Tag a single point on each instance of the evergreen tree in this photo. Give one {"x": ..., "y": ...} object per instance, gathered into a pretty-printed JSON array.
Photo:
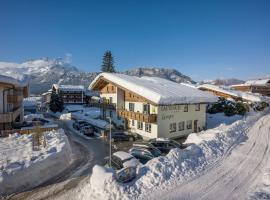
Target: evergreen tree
[
  {"x": 107, "y": 63},
  {"x": 56, "y": 103}
]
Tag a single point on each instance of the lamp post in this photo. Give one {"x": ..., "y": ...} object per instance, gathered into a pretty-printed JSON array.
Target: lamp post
[{"x": 110, "y": 152}]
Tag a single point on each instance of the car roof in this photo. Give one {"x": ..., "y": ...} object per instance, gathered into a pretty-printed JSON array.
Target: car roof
[{"x": 122, "y": 155}]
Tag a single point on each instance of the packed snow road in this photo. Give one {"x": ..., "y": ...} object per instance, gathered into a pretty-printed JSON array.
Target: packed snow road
[
  {"x": 235, "y": 176},
  {"x": 87, "y": 154}
]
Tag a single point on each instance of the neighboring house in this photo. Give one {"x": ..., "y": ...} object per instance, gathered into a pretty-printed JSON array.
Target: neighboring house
[
  {"x": 152, "y": 107},
  {"x": 12, "y": 92},
  {"x": 70, "y": 93},
  {"x": 32, "y": 104},
  {"x": 227, "y": 93},
  {"x": 261, "y": 86}
]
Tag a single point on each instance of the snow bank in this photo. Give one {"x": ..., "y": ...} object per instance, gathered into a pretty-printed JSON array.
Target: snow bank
[
  {"x": 174, "y": 168},
  {"x": 22, "y": 168},
  {"x": 214, "y": 120}
]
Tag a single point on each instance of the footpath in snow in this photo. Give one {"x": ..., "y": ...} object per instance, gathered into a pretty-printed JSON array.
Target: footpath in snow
[
  {"x": 167, "y": 174},
  {"x": 23, "y": 168}
]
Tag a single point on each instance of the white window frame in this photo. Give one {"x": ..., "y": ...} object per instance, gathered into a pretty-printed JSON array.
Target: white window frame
[
  {"x": 181, "y": 126},
  {"x": 189, "y": 124},
  {"x": 172, "y": 127},
  {"x": 148, "y": 127},
  {"x": 197, "y": 107},
  {"x": 139, "y": 125},
  {"x": 186, "y": 108}
]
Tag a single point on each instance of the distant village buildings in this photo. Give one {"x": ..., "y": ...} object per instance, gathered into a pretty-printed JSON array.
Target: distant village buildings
[
  {"x": 152, "y": 107},
  {"x": 261, "y": 86}
]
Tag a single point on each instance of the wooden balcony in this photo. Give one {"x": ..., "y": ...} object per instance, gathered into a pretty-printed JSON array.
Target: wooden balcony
[
  {"x": 10, "y": 116},
  {"x": 14, "y": 98},
  {"x": 148, "y": 118},
  {"x": 111, "y": 106}
]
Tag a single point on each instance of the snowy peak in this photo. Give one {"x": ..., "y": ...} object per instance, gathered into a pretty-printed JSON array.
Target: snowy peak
[
  {"x": 166, "y": 73},
  {"x": 226, "y": 82}
]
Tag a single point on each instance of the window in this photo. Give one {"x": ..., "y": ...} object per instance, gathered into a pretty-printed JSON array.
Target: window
[
  {"x": 181, "y": 126},
  {"x": 146, "y": 108},
  {"x": 9, "y": 107},
  {"x": 131, "y": 107},
  {"x": 172, "y": 127},
  {"x": 148, "y": 127},
  {"x": 111, "y": 114},
  {"x": 133, "y": 122},
  {"x": 186, "y": 108},
  {"x": 140, "y": 125},
  {"x": 111, "y": 99},
  {"x": 197, "y": 107},
  {"x": 189, "y": 124}
]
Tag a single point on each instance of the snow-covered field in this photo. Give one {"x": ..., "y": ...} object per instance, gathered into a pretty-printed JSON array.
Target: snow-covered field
[
  {"x": 23, "y": 168},
  {"x": 169, "y": 177}
]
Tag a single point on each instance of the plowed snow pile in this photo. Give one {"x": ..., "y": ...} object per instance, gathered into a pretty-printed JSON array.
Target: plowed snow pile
[
  {"x": 22, "y": 167},
  {"x": 177, "y": 167}
]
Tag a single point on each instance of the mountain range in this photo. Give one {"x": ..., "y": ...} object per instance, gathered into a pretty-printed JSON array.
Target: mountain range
[{"x": 46, "y": 71}]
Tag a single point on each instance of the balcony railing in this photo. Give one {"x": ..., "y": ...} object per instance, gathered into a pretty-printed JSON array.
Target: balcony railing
[
  {"x": 148, "y": 118},
  {"x": 14, "y": 98},
  {"x": 111, "y": 106},
  {"x": 10, "y": 116}
]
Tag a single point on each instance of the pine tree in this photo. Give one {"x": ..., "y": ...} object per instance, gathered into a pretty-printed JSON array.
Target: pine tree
[
  {"x": 56, "y": 103},
  {"x": 107, "y": 63}
]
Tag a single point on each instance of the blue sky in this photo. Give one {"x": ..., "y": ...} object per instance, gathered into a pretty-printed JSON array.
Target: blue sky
[{"x": 203, "y": 39}]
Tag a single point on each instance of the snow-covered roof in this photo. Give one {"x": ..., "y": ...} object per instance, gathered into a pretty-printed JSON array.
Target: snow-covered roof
[
  {"x": 258, "y": 82},
  {"x": 238, "y": 94},
  {"x": 18, "y": 80},
  {"x": 31, "y": 101},
  {"x": 218, "y": 89},
  {"x": 122, "y": 155},
  {"x": 69, "y": 87},
  {"x": 157, "y": 90}
]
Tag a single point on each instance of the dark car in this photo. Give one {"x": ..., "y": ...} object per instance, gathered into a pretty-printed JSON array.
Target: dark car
[
  {"x": 87, "y": 130},
  {"x": 144, "y": 154},
  {"x": 120, "y": 136},
  {"x": 164, "y": 144},
  {"x": 79, "y": 124},
  {"x": 121, "y": 159}
]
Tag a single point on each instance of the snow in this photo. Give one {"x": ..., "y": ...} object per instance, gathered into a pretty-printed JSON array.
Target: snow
[
  {"x": 179, "y": 166},
  {"x": 123, "y": 155},
  {"x": 259, "y": 82},
  {"x": 157, "y": 90},
  {"x": 22, "y": 167},
  {"x": 72, "y": 108},
  {"x": 247, "y": 96},
  {"x": 214, "y": 120},
  {"x": 17, "y": 80},
  {"x": 31, "y": 101},
  {"x": 95, "y": 122}
]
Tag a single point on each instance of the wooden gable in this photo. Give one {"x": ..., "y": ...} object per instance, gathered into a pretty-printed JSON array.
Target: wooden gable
[{"x": 108, "y": 88}]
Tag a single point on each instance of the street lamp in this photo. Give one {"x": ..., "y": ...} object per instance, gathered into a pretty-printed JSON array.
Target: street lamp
[{"x": 110, "y": 140}]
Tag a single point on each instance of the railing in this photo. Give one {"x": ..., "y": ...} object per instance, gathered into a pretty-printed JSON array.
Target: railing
[
  {"x": 14, "y": 98},
  {"x": 111, "y": 106},
  {"x": 148, "y": 118},
  {"x": 10, "y": 116}
]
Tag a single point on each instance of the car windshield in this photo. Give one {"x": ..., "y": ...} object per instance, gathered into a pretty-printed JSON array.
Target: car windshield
[
  {"x": 130, "y": 158},
  {"x": 154, "y": 151}
]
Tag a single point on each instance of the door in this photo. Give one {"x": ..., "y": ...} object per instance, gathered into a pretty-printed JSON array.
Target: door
[{"x": 195, "y": 126}]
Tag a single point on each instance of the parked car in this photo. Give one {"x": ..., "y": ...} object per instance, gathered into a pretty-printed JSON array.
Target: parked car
[
  {"x": 87, "y": 130},
  {"x": 164, "y": 144},
  {"x": 121, "y": 159},
  {"x": 144, "y": 154},
  {"x": 79, "y": 124},
  {"x": 120, "y": 136}
]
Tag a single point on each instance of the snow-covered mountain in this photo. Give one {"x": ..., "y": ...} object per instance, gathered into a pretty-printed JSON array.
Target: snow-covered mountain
[
  {"x": 45, "y": 72},
  {"x": 227, "y": 82},
  {"x": 170, "y": 74}
]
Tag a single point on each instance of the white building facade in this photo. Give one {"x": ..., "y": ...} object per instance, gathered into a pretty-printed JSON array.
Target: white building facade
[{"x": 153, "y": 107}]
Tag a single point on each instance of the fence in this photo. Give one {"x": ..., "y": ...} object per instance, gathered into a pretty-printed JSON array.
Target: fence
[{"x": 30, "y": 130}]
